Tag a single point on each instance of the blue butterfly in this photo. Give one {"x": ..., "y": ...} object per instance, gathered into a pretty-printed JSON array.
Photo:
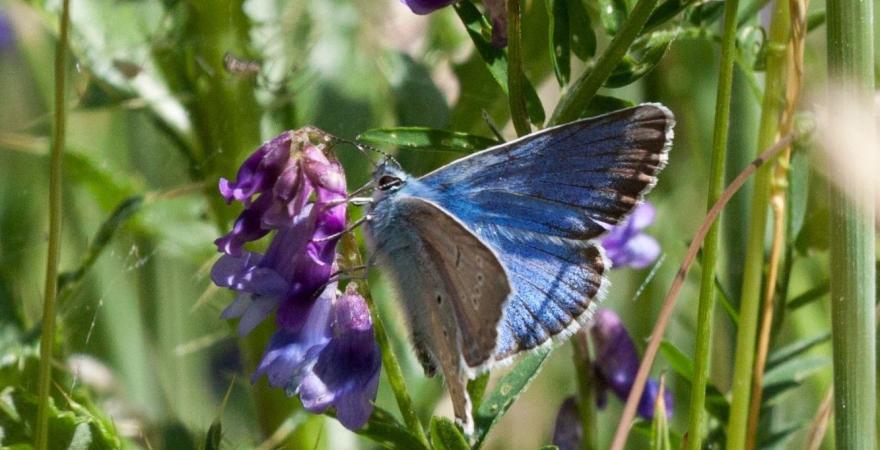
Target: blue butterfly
[{"x": 497, "y": 253}]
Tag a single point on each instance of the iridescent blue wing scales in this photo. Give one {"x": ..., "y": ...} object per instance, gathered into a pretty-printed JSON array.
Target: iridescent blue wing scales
[{"x": 541, "y": 201}]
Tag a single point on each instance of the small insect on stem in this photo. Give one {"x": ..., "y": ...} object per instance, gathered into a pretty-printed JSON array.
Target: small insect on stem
[{"x": 244, "y": 68}]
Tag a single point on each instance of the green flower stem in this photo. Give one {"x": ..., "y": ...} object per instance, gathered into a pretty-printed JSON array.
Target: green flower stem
[
  {"x": 578, "y": 96},
  {"x": 702, "y": 353},
  {"x": 586, "y": 399},
  {"x": 515, "y": 69},
  {"x": 851, "y": 68},
  {"x": 392, "y": 367},
  {"x": 771, "y": 110},
  {"x": 47, "y": 337}
]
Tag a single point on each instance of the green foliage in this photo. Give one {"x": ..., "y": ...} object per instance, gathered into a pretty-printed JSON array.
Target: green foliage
[{"x": 158, "y": 113}]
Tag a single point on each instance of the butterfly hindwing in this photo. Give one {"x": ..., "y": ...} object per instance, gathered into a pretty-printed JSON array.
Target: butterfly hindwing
[
  {"x": 454, "y": 287},
  {"x": 540, "y": 200}
]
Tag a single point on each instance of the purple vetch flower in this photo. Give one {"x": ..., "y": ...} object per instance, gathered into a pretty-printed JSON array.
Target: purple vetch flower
[
  {"x": 568, "y": 432},
  {"x": 324, "y": 349},
  {"x": 426, "y": 6},
  {"x": 346, "y": 374},
  {"x": 617, "y": 362},
  {"x": 275, "y": 184},
  {"x": 333, "y": 360},
  {"x": 626, "y": 245},
  {"x": 7, "y": 34}
]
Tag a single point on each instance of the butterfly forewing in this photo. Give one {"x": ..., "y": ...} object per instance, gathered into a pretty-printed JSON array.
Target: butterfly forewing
[{"x": 540, "y": 200}]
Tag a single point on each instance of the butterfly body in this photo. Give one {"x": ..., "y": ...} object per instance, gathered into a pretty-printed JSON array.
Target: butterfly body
[{"x": 506, "y": 238}]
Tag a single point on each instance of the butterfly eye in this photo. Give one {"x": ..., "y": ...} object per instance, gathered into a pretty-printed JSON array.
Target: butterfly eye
[{"x": 388, "y": 182}]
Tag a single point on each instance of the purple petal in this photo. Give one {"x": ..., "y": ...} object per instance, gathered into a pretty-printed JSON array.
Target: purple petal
[
  {"x": 7, "y": 34},
  {"x": 649, "y": 399},
  {"x": 426, "y": 6},
  {"x": 617, "y": 362},
  {"x": 641, "y": 251},
  {"x": 257, "y": 311},
  {"x": 290, "y": 355},
  {"x": 568, "y": 432},
  {"x": 643, "y": 216},
  {"x": 245, "y": 275}
]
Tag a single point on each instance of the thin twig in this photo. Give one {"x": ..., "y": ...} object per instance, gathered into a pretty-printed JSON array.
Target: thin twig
[
  {"x": 56, "y": 157},
  {"x": 638, "y": 388}
]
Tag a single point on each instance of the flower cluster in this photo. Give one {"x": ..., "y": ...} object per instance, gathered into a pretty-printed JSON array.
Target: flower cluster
[
  {"x": 617, "y": 362},
  {"x": 614, "y": 368},
  {"x": 324, "y": 349},
  {"x": 627, "y": 245},
  {"x": 7, "y": 34}
]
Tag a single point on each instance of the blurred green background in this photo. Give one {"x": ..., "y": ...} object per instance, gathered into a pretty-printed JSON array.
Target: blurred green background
[{"x": 155, "y": 118}]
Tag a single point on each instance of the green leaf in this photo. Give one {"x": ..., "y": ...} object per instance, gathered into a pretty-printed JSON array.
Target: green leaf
[
  {"x": 560, "y": 40},
  {"x": 549, "y": 447},
  {"x": 682, "y": 364},
  {"x": 496, "y": 59},
  {"x": 477, "y": 388},
  {"x": 664, "y": 13},
  {"x": 809, "y": 296},
  {"x": 795, "y": 349},
  {"x": 815, "y": 20},
  {"x": 583, "y": 38},
  {"x": 76, "y": 428},
  {"x": 798, "y": 192},
  {"x": 644, "y": 55},
  {"x": 446, "y": 436},
  {"x": 418, "y": 138},
  {"x": 788, "y": 375},
  {"x": 117, "y": 219},
  {"x": 385, "y": 430},
  {"x": 214, "y": 436},
  {"x": 508, "y": 389},
  {"x": 601, "y": 104},
  {"x": 417, "y": 100},
  {"x": 777, "y": 437},
  {"x": 705, "y": 14},
  {"x": 612, "y": 13}
]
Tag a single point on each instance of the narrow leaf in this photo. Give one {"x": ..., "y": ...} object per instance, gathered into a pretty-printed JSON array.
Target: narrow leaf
[
  {"x": 560, "y": 39},
  {"x": 418, "y": 138},
  {"x": 583, "y": 38},
  {"x": 385, "y": 430},
  {"x": 496, "y": 59},
  {"x": 645, "y": 54},
  {"x": 665, "y": 12},
  {"x": 508, "y": 389},
  {"x": 682, "y": 364},
  {"x": 706, "y": 13},
  {"x": 612, "y": 13},
  {"x": 601, "y": 104},
  {"x": 795, "y": 349},
  {"x": 446, "y": 436},
  {"x": 809, "y": 296}
]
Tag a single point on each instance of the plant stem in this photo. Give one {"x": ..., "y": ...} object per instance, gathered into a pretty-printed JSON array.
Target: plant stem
[
  {"x": 779, "y": 188},
  {"x": 851, "y": 67},
  {"x": 389, "y": 360},
  {"x": 702, "y": 354},
  {"x": 771, "y": 109},
  {"x": 515, "y": 69},
  {"x": 53, "y": 255},
  {"x": 578, "y": 96},
  {"x": 586, "y": 399},
  {"x": 632, "y": 400}
]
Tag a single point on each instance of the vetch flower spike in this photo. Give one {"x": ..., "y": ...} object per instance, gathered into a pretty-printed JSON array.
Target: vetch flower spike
[
  {"x": 627, "y": 245},
  {"x": 617, "y": 363},
  {"x": 324, "y": 349}
]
